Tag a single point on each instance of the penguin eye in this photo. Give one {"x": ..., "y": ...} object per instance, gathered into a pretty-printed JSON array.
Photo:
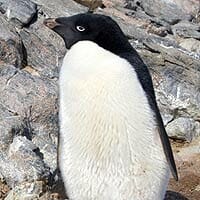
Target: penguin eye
[{"x": 80, "y": 28}]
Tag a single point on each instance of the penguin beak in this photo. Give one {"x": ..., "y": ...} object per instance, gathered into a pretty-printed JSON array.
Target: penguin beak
[{"x": 51, "y": 23}]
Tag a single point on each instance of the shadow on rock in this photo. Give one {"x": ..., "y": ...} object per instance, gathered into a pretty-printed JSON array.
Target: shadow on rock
[{"x": 171, "y": 195}]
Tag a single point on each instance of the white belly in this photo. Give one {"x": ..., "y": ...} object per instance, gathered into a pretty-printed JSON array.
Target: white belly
[{"x": 109, "y": 145}]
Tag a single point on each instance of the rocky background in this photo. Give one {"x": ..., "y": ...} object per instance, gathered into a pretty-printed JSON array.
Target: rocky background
[{"x": 166, "y": 33}]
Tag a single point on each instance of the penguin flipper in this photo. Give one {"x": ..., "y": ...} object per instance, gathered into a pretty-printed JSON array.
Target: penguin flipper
[{"x": 166, "y": 145}]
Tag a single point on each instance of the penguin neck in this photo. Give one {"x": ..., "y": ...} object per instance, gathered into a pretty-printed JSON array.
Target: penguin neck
[{"x": 115, "y": 43}]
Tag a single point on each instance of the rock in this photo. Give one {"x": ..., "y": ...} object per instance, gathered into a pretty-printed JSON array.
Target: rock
[
  {"x": 16, "y": 88},
  {"x": 170, "y": 195},
  {"x": 191, "y": 45},
  {"x": 176, "y": 87},
  {"x": 38, "y": 56},
  {"x": 3, "y": 6},
  {"x": 48, "y": 8},
  {"x": 4, "y": 189},
  {"x": 11, "y": 46},
  {"x": 47, "y": 147},
  {"x": 7, "y": 31},
  {"x": 165, "y": 10},
  {"x": 18, "y": 120},
  {"x": 183, "y": 128},
  {"x": 26, "y": 191},
  {"x": 8, "y": 118},
  {"x": 161, "y": 31},
  {"x": 186, "y": 30},
  {"x": 19, "y": 143},
  {"x": 91, "y": 4},
  {"x": 188, "y": 6},
  {"x": 21, "y": 10},
  {"x": 23, "y": 163}
]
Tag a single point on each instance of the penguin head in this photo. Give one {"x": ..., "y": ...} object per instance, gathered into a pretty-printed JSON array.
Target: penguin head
[{"x": 100, "y": 29}]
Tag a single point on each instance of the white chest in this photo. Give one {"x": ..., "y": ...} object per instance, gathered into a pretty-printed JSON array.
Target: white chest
[{"x": 109, "y": 147}]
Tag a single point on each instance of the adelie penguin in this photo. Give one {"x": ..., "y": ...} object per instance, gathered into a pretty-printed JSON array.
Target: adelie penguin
[{"x": 113, "y": 144}]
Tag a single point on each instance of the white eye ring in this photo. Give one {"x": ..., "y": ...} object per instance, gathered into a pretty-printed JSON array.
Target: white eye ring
[{"x": 80, "y": 28}]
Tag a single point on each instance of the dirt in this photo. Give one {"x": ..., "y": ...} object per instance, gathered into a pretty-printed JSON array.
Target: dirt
[{"x": 188, "y": 164}]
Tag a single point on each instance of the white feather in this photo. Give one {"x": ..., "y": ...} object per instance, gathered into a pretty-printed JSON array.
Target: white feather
[{"x": 109, "y": 144}]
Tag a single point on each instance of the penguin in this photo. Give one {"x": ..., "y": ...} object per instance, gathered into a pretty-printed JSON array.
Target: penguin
[{"x": 113, "y": 144}]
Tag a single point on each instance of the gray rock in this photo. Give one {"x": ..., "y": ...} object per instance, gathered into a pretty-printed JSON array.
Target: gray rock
[
  {"x": 7, "y": 31},
  {"x": 42, "y": 56},
  {"x": 188, "y": 6},
  {"x": 27, "y": 191},
  {"x": 18, "y": 120},
  {"x": 182, "y": 128},
  {"x": 47, "y": 144},
  {"x": 38, "y": 90},
  {"x": 22, "y": 163},
  {"x": 176, "y": 86},
  {"x": 3, "y": 6},
  {"x": 21, "y": 10},
  {"x": 11, "y": 46},
  {"x": 8, "y": 117},
  {"x": 191, "y": 45},
  {"x": 50, "y": 8},
  {"x": 164, "y": 10},
  {"x": 186, "y": 30}
]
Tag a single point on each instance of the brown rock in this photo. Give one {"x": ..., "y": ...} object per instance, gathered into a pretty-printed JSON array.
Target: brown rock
[
  {"x": 91, "y": 4},
  {"x": 4, "y": 189}
]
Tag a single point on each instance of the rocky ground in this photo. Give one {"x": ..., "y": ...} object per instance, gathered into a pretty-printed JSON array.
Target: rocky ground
[
  {"x": 167, "y": 36},
  {"x": 188, "y": 162}
]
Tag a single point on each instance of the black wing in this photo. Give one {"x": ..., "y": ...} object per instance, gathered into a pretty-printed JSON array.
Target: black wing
[
  {"x": 166, "y": 144},
  {"x": 146, "y": 82}
]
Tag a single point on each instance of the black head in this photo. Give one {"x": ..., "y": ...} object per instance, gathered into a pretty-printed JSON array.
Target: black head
[{"x": 94, "y": 27}]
